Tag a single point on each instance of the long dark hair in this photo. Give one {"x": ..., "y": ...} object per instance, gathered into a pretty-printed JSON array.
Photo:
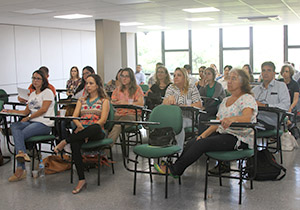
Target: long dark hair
[
  {"x": 99, "y": 83},
  {"x": 44, "y": 78},
  {"x": 82, "y": 84},
  {"x": 132, "y": 85},
  {"x": 74, "y": 67}
]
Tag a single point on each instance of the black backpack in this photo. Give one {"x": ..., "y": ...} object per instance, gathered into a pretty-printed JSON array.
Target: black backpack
[{"x": 267, "y": 168}]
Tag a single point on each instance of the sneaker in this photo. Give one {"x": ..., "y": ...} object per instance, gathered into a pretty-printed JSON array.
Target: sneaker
[{"x": 224, "y": 168}]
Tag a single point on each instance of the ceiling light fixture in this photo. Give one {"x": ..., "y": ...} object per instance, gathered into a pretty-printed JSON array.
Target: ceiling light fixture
[
  {"x": 261, "y": 18},
  {"x": 73, "y": 16},
  {"x": 154, "y": 27},
  {"x": 203, "y": 9},
  {"x": 199, "y": 19},
  {"x": 131, "y": 24}
]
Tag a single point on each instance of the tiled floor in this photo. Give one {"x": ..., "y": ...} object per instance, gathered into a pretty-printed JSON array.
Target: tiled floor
[{"x": 115, "y": 191}]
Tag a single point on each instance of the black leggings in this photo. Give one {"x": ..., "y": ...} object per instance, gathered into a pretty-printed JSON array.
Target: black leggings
[
  {"x": 195, "y": 148},
  {"x": 92, "y": 132}
]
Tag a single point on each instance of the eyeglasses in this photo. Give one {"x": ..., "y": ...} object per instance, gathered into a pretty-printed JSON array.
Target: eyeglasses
[
  {"x": 86, "y": 73},
  {"x": 124, "y": 76},
  {"x": 36, "y": 78}
]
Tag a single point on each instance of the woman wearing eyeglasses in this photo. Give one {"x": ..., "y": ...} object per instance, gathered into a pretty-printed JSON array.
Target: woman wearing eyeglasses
[
  {"x": 127, "y": 93},
  {"x": 40, "y": 104}
]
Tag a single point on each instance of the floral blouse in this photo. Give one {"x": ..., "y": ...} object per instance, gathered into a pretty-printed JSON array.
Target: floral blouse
[
  {"x": 243, "y": 134},
  {"x": 91, "y": 110}
]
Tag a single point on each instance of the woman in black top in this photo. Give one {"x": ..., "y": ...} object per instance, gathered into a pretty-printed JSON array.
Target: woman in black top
[
  {"x": 158, "y": 90},
  {"x": 287, "y": 72}
]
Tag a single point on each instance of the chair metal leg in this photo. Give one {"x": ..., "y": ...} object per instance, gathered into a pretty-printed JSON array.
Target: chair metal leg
[
  {"x": 14, "y": 165},
  {"x": 99, "y": 169},
  {"x": 134, "y": 180},
  {"x": 220, "y": 175},
  {"x": 166, "y": 183},
  {"x": 206, "y": 178},
  {"x": 241, "y": 182},
  {"x": 150, "y": 171},
  {"x": 111, "y": 158}
]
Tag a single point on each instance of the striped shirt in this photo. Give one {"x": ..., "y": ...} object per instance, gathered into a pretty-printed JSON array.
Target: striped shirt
[{"x": 181, "y": 99}]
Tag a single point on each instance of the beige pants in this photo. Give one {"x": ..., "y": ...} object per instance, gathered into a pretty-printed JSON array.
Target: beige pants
[{"x": 115, "y": 132}]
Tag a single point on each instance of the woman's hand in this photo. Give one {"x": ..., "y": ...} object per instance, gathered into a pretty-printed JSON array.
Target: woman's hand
[
  {"x": 226, "y": 122},
  {"x": 25, "y": 119},
  {"x": 79, "y": 128},
  {"x": 171, "y": 100},
  {"x": 199, "y": 137}
]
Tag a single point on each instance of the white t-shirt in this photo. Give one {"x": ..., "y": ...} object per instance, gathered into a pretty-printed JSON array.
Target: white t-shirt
[{"x": 35, "y": 102}]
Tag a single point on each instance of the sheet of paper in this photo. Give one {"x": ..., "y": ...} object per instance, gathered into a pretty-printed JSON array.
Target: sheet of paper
[{"x": 23, "y": 93}]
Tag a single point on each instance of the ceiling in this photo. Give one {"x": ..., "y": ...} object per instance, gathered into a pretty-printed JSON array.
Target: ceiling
[{"x": 166, "y": 13}]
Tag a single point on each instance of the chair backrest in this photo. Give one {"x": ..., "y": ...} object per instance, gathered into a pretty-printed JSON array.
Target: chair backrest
[
  {"x": 1, "y": 105},
  {"x": 108, "y": 125},
  {"x": 3, "y": 96},
  {"x": 168, "y": 116},
  {"x": 145, "y": 87}
]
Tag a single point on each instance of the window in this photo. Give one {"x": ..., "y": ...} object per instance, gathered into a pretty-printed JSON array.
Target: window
[
  {"x": 149, "y": 50},
  {"x": 236, "y": 58},
  {"x": 294, "y": 57},
  {"x": 268, "y": 46},
  {"x": 236, "y": 37},
  {"x": 176, "y": 59},
  {"x": 175, "y": 40},
  {"x": 293, "y": 34},
  {"x": 205, "y": 45}
]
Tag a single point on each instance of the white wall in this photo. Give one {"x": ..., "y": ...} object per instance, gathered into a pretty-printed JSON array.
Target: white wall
[{"x": 23, "y": 49}]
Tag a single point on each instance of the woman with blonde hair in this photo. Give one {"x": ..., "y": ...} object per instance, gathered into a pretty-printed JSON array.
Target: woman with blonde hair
[
  {"x": 182, "y": 93},
  {"x": 239, "y": 107}
]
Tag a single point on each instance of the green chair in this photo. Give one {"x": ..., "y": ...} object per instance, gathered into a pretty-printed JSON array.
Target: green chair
[
  {"x": 275, "y": 133},
  {"x": 167, "y": 116},
  {"x": 236, "y": 155},
  {"x": 97, "y": 146},
  {"x": 37, "y": 142}
]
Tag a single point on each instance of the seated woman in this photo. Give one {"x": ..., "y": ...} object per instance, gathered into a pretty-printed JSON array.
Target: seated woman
[
  {"x": 113, "y": 84},
  {"x": 95, "y": 107},
  {"x": 287, "y": 72},
  {"x": 81, "y": 89},
  {"x": 158, "y": 90},
  {"x": 73, "y": 82},
  {"x": 127, "y": 93},
  {"x": 201, "y": 82},
  {"x": 182, "y": 93},
  {"x": 40, "y": 104},
  {"x": 224, "y": 79},
  {"x": 248, "y": 69},
  {"x": 239, "y": 107},
  {"x": 212, "y": 95}
]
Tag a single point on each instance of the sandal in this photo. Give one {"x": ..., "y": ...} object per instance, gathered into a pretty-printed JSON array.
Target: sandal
[{"x": 78, "y": 190}]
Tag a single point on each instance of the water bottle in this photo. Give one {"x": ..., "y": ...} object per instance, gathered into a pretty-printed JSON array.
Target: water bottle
[{"x": 42, "y": 169}]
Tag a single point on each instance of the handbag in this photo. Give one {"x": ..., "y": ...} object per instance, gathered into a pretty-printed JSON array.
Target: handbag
[
  {"x": 55, "y": 164},
  {"x": 162, "y": 137},
  {"x": 288, "y": 142}
]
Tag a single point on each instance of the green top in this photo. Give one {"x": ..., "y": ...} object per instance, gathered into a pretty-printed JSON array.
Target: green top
[{"x": 210, "y": 91}]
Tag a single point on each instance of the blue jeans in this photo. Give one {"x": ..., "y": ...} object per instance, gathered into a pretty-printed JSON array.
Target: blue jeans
[{"x": 25, "y": 130}]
